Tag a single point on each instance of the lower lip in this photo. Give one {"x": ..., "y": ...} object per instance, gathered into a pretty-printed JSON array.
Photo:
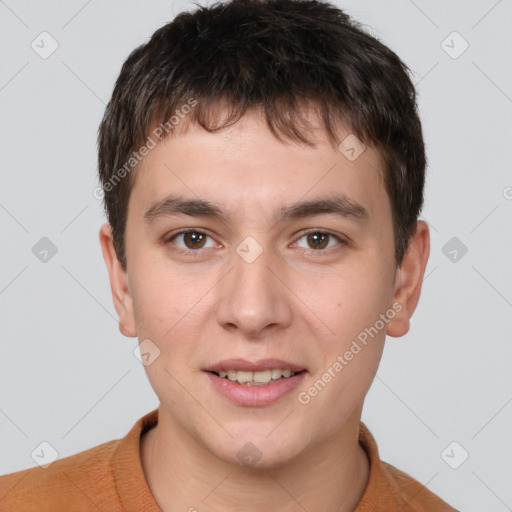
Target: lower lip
[{"x": 255, "y": 396}]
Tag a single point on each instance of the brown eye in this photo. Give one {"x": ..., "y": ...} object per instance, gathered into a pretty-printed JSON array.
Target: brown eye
[
  {"x": 190, "y": 240},
  {"x": 318, "y": 240},
  {"x": 194, "y": 239},
  {"x": 321, "y": 241}
]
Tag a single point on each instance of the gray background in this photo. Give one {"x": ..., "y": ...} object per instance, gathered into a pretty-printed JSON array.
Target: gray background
[{"x": 68, "y": 377}]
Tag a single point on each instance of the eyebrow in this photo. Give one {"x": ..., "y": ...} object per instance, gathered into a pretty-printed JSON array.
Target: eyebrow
[{"x": 341, "y": 206}]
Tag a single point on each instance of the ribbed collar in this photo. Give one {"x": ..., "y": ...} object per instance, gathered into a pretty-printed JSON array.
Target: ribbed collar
[{"x": 135, "y": 494}]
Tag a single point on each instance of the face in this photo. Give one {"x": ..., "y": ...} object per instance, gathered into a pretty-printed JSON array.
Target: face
[{"x": 274, "y": 254}]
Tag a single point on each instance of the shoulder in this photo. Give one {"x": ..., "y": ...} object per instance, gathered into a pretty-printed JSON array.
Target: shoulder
[
  {"x": 85, "y": 480},
  {"x": 413, "y": 495},
  {"x": 391, "y": 489}
]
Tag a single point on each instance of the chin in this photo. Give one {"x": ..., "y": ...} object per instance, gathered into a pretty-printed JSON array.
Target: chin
[{"x": 258, "y": 452}]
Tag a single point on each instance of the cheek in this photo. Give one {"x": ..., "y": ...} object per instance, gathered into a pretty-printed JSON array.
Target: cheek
[
  {"x": 354, "y": 298},
  {"x": 170, "y": 312},
  {"x": 351, "y": 307},
  {"x": 366, "y": 295},
  {"x": 159, "y": 304},
  {"x": 167, "y": 316}
]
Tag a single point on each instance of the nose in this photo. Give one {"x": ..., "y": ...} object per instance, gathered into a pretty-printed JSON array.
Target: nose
[{"x": 254, "y": 300}]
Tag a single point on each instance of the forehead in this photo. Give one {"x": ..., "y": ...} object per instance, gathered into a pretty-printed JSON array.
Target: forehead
[{"x": 245, "y": 165}]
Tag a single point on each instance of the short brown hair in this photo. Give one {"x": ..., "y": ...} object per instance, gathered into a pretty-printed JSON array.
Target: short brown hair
[{"x": 278, "y": 55}]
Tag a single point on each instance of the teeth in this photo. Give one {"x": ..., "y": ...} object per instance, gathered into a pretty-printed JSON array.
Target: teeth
[
  {"x": 255, "y": 378},
  {"x": 265, "y": 376},
  {"x": 244, "y": 376},
  {"x": 276, "y": 374}
]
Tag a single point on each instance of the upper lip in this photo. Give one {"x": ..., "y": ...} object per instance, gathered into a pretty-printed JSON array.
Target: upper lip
[{"x": 253, "y": 366}]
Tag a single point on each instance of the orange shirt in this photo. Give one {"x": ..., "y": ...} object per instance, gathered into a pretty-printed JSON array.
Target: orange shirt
[{"x": 109, "y": 478}]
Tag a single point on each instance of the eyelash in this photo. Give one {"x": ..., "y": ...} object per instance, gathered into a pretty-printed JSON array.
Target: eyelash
[{"x": 195, "y": 252}]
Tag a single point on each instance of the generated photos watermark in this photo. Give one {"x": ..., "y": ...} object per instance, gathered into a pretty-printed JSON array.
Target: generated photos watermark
[
  {"x": 361, "y": 341},
  {"x": 136, "y": 157}
]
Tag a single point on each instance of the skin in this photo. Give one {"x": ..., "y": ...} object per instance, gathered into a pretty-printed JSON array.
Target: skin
[{"x": 294, "y": 302}]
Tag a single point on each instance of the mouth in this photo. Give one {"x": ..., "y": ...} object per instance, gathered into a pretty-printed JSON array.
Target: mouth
[
  {"x": 257, "y": 378},
  {"x": 255, "y": 384},
  {"x": 268, "y": 375}
]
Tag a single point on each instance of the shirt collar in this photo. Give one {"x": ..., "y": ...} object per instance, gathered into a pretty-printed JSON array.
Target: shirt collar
[{"x": 134, "y": 492}]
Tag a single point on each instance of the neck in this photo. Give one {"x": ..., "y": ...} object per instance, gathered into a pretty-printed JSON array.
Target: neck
[{"x": 183, "y": 475}]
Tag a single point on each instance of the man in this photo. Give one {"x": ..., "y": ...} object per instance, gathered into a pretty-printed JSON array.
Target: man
[{"x": 263, "y": 169}]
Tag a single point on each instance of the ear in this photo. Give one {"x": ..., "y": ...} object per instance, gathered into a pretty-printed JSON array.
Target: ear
[
  {"x": 118, "y": 283},
  {"x": 409, "y": 279}
]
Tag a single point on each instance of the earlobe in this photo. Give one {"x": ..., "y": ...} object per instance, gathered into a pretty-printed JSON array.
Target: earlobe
[
  {"x": 409, "y": 280},
  {"x": 121, "y": 293}
]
